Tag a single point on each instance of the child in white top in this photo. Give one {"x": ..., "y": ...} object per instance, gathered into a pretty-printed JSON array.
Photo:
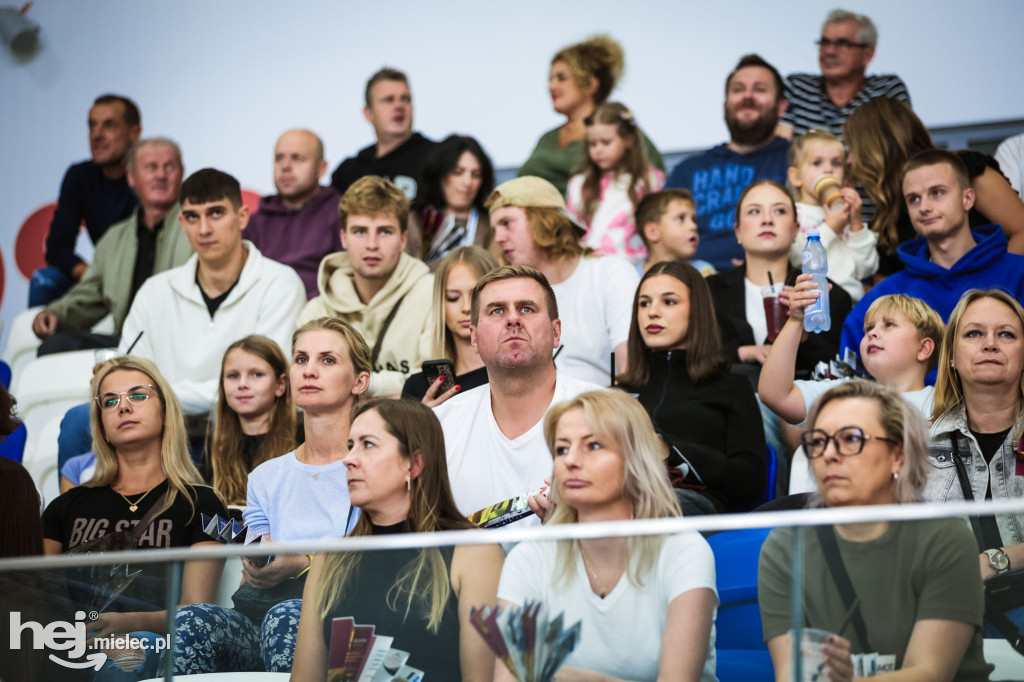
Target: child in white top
[
  {"x": 616, "y": 176},
  {"x": 850, "y": 246}
]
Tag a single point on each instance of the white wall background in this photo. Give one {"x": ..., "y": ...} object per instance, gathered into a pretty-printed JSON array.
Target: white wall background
[{"x": 226, "y": 78}]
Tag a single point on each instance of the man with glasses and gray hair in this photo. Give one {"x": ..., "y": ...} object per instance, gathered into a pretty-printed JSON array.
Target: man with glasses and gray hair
[{"x": 845, "y": 48}]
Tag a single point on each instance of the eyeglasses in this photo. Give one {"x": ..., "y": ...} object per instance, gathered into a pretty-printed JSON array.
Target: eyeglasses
[
  {"x": 849, "y": 440},
  {"x": 136, "y": 395},
  {"x": 841, "y": 44}
]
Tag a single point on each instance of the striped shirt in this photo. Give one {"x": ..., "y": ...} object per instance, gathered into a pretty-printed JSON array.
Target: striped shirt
[{"x": 811, "y": 108}]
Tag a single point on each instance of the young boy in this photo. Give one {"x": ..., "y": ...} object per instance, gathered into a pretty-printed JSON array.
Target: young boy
[
  {"x": 899, "y": 349},
  {"x": 668, "y": 227}
]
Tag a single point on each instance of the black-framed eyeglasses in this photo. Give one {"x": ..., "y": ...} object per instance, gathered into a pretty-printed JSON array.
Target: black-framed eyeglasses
[
  {"x": 841, "y": 44},
  {"x": 849, "y": 440},
  {"x": 135, "y": 395}
]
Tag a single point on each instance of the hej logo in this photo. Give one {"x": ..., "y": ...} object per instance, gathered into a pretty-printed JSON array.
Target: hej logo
[{"x": 58, "y": 636}]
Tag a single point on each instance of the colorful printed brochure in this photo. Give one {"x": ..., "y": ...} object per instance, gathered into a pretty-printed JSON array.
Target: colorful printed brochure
[
  {"x": 532, "y": 646},
  {"x": 357, "y": 654},
  {"x": 230, "y": 531}
]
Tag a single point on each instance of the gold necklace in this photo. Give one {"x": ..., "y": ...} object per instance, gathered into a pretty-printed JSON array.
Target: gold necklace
[
  {"x": 601, "y": 591},
  {"x": 134, "y": 506}
]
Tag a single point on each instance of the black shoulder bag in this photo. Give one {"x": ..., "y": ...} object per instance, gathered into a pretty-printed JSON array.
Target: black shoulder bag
[
  {"x": 1003, "y": 592},
  {"x": 830, "y": 547}
]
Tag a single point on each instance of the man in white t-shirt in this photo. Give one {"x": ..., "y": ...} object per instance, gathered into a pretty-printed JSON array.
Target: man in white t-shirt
[
  {"x": 595, "y": 293},
  {"x": 494, "y": 434}
]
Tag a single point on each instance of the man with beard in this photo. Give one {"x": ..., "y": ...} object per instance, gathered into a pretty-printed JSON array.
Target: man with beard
[
  {"x": 299, "y": 225},
  {"x": 753, "y": 106},
  {"x": 494, "y": 434}
]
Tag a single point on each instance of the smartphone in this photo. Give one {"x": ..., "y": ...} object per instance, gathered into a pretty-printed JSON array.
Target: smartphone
[{"x": 435, "y": 368}]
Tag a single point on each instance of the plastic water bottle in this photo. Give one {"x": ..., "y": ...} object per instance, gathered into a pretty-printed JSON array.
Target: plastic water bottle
[{"x": 816, "y": 316}]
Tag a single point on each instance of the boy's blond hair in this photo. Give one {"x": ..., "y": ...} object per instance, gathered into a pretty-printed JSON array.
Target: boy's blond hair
[
  {"x": 372, "y": 195},
  {"x": 928, "y": 323}
]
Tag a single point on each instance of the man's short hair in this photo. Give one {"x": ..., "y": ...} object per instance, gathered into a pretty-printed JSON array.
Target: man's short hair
[
  {"x": 210, "y": 184},
  {"x": 371, "y": 195},
  {"x": 132, "y": 117},
  {"x": 133, "y": 151},
  {"x": 757, "y": 60},
  {"x": 652, "y": 208},
  {"x": 925, "y": 319},
  {"x": 866, "y": 31},
  {"x": 933, "y": 157},
  {"x": 385, "y": 74},
  {"x": 512, "y": 272}
]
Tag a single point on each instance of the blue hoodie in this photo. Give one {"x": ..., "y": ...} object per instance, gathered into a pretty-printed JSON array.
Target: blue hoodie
[{"x": 986, "y": 266}]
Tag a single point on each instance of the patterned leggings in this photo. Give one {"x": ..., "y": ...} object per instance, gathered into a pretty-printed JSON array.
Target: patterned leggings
[{"x": 211, "y": 638}]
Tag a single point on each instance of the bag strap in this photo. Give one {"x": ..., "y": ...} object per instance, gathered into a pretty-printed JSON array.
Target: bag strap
[
  {"x": 830, "y": 547},
  {"x": 148, "y": 518},
  {"x": 994, "y": 614},
  {"x": 965, "y": 486},
  {"x": 384, "y": 330}
]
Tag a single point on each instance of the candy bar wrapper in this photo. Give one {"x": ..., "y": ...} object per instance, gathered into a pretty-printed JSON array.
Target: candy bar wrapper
[{"x": 505, "y": 512}]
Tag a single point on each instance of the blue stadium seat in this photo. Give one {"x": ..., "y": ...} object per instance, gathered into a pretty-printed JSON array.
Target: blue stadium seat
[
  {"x": 13, "y": 447},
  {"x": 5, "y": 375},
  {"x": 739, "y": 644}
]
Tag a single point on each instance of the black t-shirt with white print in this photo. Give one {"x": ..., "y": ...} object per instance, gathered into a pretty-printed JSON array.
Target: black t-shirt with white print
[{"x": 83, "y": 514}]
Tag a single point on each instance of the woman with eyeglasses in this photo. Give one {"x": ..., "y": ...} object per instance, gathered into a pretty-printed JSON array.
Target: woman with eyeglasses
[
  {"x": 142, "y": 462},
  {"x": 915, "y": 593}
]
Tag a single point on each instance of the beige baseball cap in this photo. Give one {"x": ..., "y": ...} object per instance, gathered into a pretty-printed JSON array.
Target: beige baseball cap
[{"x": 530, "y": 192}]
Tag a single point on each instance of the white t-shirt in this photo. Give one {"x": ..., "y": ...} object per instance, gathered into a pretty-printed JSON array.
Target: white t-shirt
[
  {"x": 621, "y": 634},
  {"x": 485, "y": 467},
  {"x": 800, "y": 478},
  {"x": 754, "y": 301},
  {"x": 595, "y": 304}
]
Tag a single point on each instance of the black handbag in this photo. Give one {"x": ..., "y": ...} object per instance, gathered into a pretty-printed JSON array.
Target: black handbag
[
  {"x": 1004, "y": 592},
  {"x": 254, "y": 604}
]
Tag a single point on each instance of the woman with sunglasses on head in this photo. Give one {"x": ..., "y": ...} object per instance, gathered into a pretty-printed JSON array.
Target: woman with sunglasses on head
[
  {"x": 978, "y": 422},
  {"x": 142, "y": 463},
  {"x": 916, "y": 594}
]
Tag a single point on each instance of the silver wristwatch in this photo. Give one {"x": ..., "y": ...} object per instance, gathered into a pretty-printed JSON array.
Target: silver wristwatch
[{"x": 998, "y": 560}]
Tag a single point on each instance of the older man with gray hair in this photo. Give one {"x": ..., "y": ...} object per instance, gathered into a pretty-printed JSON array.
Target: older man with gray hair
[
  {"x": 147, "y": 242},
  {"x": 846, "y": 47}
]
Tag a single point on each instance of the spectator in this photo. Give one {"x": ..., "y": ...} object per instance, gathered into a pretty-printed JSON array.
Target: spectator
[
  {"x": 494, "y": 434},
  {"x": 846, "y": 47},
  {"x": 882, "y": 135},
  {"x": 449, "y": 208},
  {"x": 421, "y": 597},
  {"x": 977, "y": 420},
  {"x": 765, "y": 228},
  {"x": 301, "y": 495},
  {"x": 949, "y": 257},
  {"x": 920, "y": 599},
  {"x": 1010, "y": 156},
  {"x": 754, "y": 102},
  {"x": 655, "y": 609},
  {"x": 707, "y": 414},
  {"x": 94, "y": 192},
  {"x": 603, "y": 197},
  {"x": 531, "y": 228},
  {"x": 851, "y": 247},
  {"x": 299, "y": 225},
  {"x": 375, "y": 287},
  {"x": 667, "y": 222},
  {"x": 399, "y": 154},
  {"x": 142, "y": 464},
  {"x": 582, "y": 76},
  {"x": 184, "y": 318},
  {"x": 454, "y": 280},
  {"x": 148, "y": 242}
]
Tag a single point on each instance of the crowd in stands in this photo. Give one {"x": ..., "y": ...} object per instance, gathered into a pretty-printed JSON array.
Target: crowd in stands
[{"x": 411, "y": 344}]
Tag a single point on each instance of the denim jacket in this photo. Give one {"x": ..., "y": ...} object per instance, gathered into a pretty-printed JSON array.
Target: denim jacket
[{"x": 943, "y": 483}]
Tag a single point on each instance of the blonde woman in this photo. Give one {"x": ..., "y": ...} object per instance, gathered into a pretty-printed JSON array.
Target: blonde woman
[
  {"x": 142, "y": 460},
  {"x": 398, "y": 477},
  {"x": 647, "y": 603},
  {"x": 456, "y": 275}
]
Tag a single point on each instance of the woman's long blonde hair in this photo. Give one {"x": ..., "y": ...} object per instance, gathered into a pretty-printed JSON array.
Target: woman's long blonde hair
[
  {"x": 175, "y": 460},
  {"x": 477, "y": 259},
  {"x": 619, "y": 423},
  {"x": 230, "y": 475},
  {"x": 431, "y": 508},
  {"x": 949, "y": 390}
]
